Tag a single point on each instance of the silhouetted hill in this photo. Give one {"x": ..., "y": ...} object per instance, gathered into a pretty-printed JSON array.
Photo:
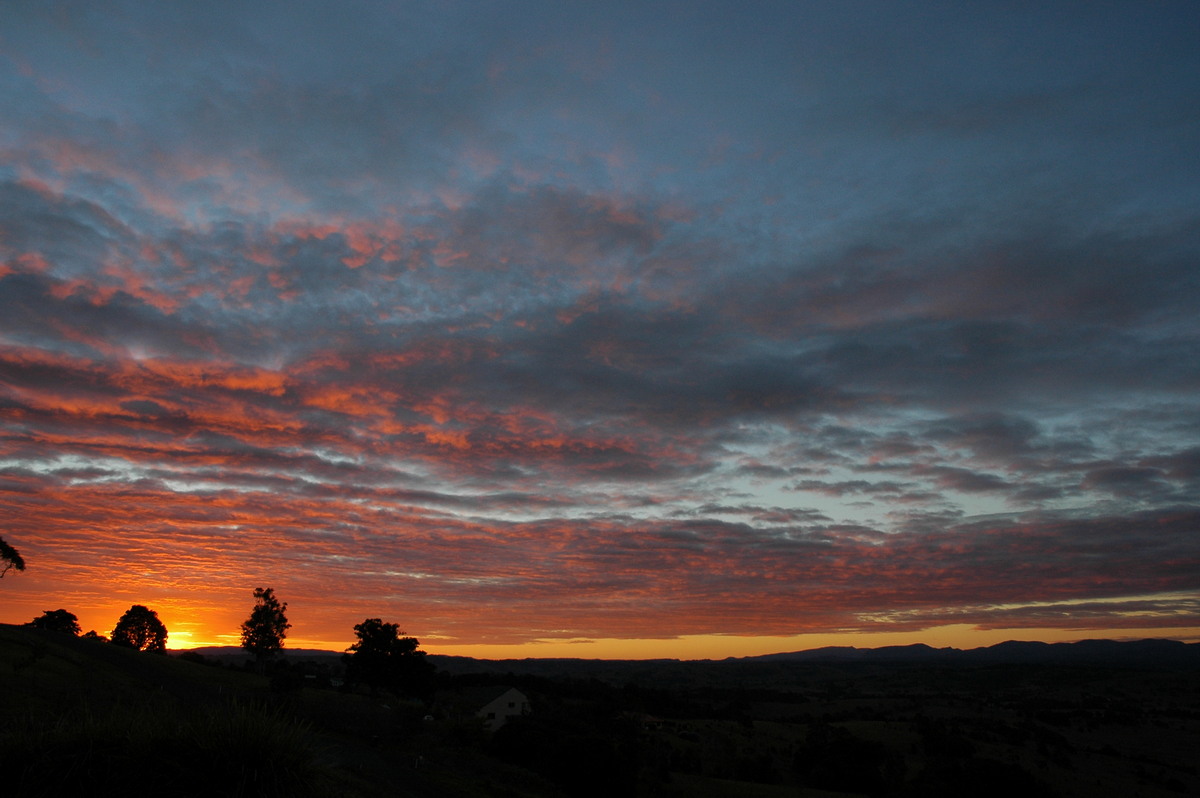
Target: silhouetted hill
[
  {"x": 1140, "y": 653},
  {"x": 1153, "y": 652},
  {"x": 917, "y": 652},
  {"x": 1149, "y": 652},
  {"x": 83, "y": 717},
  {"x": 237, "y": 654},
  {"x": 1094, "y": 719}
]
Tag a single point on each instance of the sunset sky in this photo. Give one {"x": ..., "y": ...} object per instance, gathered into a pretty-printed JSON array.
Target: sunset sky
[{"x": 604, "y": 329}]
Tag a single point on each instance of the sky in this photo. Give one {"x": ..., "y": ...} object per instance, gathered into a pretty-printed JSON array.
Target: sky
[{"x": 641, "y": 329}]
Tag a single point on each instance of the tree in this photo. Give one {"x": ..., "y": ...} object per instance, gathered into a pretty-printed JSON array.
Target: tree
[
  {"x": 140, "y": 629},
  {"x": 57, "y": 621},
  {"x": 10, "y": 558},
  {"x": 264, "y": 630},
  {"x": 383, "y": 658}
]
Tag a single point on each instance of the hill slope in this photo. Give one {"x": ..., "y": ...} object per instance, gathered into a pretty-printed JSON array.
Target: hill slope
[{"x": 82, "y": 718}]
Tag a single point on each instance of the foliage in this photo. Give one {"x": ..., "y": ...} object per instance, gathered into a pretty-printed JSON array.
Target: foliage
[
  {"x": 588, "y": 756},
  {"x": 382, "y": 658},
  {"x": 92, "y": 634},
  {"x": 263, "y": 632},
  {"x": 10, "y": 558},
  {"x": 82, "y": 720},
  {"x": 139, "y": 628},
  {"x": 834, "y": 759},
  {"x": 286, "y": 681},
  {"x": 233, "y": 749},
  {"x": 57, "y": 621}
]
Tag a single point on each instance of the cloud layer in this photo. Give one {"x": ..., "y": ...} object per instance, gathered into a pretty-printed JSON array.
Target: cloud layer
[{"x": 637, "y": 321}]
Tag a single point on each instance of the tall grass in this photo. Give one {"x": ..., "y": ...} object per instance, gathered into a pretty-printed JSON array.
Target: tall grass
[{"x": 234, "y": 750}]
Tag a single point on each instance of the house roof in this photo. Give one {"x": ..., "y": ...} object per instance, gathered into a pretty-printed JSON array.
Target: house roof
[{"x": 476, "y": 697}]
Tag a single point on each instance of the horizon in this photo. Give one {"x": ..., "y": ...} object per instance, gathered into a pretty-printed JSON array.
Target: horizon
[
  {"x": 1135, "y": 639},
  {"x": 658, "y": 328},
  {"x": 717, "y": 648}
]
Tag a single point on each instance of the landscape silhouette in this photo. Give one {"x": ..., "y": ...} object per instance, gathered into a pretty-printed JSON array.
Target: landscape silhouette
[
  {"x": 90, "y": 713},
  {"x": 622, "y": 398}
]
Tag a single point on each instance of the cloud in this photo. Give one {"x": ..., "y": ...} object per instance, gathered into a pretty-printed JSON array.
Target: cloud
[{"x": 608, "y": 321}]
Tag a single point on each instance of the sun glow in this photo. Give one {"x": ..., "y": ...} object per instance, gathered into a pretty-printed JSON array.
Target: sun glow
[
  {"x": 644, "y": 360},
  {"x": 697, "y": 647},
  {"x": 961, "y": 636}
]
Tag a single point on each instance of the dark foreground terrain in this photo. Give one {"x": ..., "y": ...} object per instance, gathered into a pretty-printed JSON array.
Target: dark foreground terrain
[{"x": 82, "y": 717}]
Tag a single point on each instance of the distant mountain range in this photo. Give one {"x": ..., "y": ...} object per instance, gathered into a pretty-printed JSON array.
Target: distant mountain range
[
  {"x": 1107, "y": 652},
  {"x": 1153, "y": 652}
]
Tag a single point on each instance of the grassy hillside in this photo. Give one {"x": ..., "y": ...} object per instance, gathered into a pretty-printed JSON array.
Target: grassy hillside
[{"x": 82, "y": 717}]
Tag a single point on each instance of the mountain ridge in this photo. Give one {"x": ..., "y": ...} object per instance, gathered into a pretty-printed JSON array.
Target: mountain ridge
[
  {"x": 1009, "y": 651},
  {"x": 1147, "y": 651}
]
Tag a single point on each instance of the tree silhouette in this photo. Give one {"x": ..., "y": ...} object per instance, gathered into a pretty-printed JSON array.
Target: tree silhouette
[
  {"x": 9, "y": 558},
  {"x": 140, "y": 629},
  {"x": 264, "y": 630},
  {"x": 383, "y": 659},
  {"x": 57, "y": 621}
]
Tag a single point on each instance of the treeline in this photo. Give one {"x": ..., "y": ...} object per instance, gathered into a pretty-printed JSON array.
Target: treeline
[{"x": 381, "y": 658}]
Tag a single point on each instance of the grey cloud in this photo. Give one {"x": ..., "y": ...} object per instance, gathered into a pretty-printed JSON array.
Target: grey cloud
[
  {"x": 764, "y": 470},
  {"x": 851, "y": 487},
  {"x": 1125, "y": 480},
  {"x": 993, "y": 435},
  {"x": 1036, "y": 494},
  {"x": 652, "y": 280},
  {"x": 145, "y": 407},
  {"x": 72, "y": 234},
  {"x": 1182, "y": 465},
  {"x": 781, "y": 516}
]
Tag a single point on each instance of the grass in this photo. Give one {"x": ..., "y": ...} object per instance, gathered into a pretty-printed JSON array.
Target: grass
[
  {"x": 82, "y": 718},
  {"x": 694, "y": 786},
  {"x": 85, "y": 718},
  {"x": 233, "y": 750}
]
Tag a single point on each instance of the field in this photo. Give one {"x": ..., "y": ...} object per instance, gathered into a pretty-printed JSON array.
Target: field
[{"x": 82, "y": 716}]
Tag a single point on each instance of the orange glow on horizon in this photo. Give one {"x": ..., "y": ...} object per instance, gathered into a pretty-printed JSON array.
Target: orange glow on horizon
[
  {"x": 961, "y": 636},
  {"x": 184, "y": 632},
  {"x": 624, "y": 362},
  {"x": 698, "y": 647}
]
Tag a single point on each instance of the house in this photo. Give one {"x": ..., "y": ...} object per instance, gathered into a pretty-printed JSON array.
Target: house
[
  {"x": 491, "y": 704},
  {"x": 508, "y": 703}
]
